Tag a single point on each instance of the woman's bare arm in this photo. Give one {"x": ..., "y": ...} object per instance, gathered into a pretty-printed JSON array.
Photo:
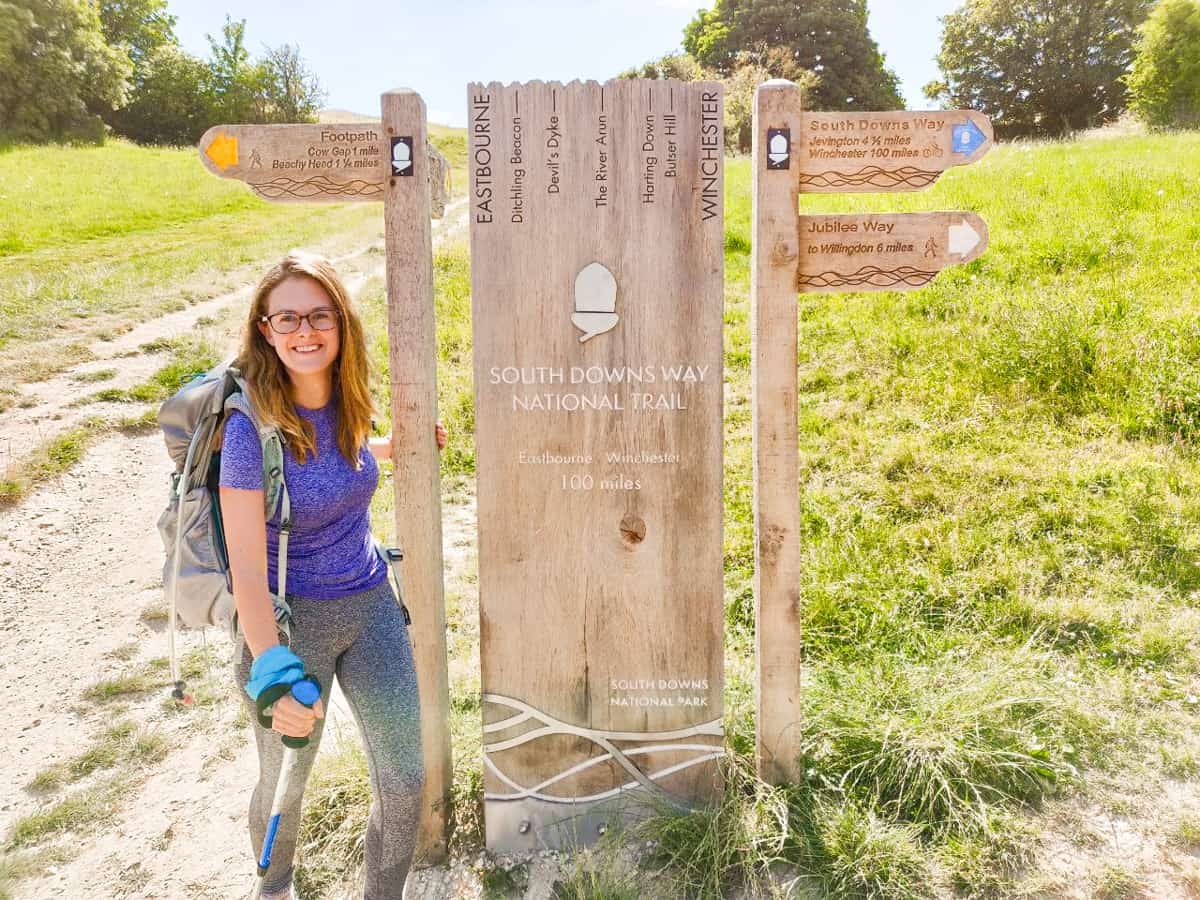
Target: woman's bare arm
[
  {"x": 246, "y": 540},
  {"x": 381, "y": 448}
]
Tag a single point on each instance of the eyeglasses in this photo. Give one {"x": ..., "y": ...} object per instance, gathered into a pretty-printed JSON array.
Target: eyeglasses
[{"x": 323, "y": 318}]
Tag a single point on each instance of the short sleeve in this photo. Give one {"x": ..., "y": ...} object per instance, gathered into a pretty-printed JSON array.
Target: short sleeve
[{"x": 241, "y": 454}]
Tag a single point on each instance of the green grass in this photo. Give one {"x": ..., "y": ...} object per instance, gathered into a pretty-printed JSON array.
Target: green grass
[
  {"x": 191, "y": 355},
  {"x": 94, "y": 235},
  {"x": 91, "y": 377},
  {"x": 119, "y": 744},
  {"x": 153, "y": 675},
  {"x": 337, "y": 798},
  {"x": 16, "y": 865},
  {"x": 49, "y": 460},
  {"x": 86, "y": 808}
]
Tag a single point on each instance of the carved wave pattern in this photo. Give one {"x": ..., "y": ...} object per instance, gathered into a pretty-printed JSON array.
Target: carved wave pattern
[
  {"x": 908, "y": 176},
  {"x": 320, "y": 186},
  {"x": 869, "y": 275},
  {"x": 603, "y": 739}
]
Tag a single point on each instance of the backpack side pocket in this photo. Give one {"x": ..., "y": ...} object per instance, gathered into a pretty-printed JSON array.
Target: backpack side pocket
[{"x": 202, "y": 594}]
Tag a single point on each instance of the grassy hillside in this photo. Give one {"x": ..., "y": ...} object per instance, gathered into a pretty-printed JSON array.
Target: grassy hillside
[
  {"x": 92, "y": 237},
  {"x": 1001, "y": 512}
]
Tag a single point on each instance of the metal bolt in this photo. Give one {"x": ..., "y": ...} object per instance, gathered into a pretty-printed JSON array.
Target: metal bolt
[{"x": 524, "y": 826}]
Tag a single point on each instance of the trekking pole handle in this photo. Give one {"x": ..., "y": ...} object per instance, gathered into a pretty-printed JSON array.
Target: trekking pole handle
[{"x": 306, "y": 691}]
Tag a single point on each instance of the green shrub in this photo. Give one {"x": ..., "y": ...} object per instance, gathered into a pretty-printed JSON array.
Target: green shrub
[{"x": 1164, "y": 82}]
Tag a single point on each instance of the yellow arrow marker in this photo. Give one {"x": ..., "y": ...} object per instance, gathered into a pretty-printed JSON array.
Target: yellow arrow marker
[{"x": 223, "y": 151}]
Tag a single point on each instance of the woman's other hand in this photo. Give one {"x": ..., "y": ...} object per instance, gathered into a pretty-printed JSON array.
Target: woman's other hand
[
  {"x": 291, "y": 717},
  {"x": 441, "y": 434}
]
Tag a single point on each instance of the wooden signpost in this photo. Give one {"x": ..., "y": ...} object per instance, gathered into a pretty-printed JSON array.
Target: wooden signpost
[
  {"x": 597, "y": 262},
  {"x": 797, "y": 152},
  {"x": 840, "y": 153},
  {"x": 391, "y": 162},
  {"x": 317, "y": 163}
]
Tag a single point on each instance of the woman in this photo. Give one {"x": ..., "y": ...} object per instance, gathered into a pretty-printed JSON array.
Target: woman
[{"x": 305, "y": 363}]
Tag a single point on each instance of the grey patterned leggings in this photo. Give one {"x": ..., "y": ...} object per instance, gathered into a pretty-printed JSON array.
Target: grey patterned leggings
[{"x": 364, "y": 641}]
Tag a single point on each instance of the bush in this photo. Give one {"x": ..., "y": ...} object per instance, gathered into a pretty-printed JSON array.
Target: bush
[
  {"x": 57, "y": 74},
  {"x": 173, "y": 103},
  {"x": 1165, "y": 80}
]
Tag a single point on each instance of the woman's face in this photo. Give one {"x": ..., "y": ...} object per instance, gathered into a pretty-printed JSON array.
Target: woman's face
[{"x": 306, "y": 351}]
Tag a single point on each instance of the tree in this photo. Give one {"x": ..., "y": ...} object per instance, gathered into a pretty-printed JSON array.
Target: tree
[
  {"x": 235, "y": 80},
  {"x": 1038, "y": 67},
  {"x": 680, "y": 66},
  {"x": 827, "y": 37},
  {"x": 57, "y": 73},
  {"x": 1164, "y": 83},
  {"x": 139, "y": 26},
  {"x": 277, "y": 88},
  {"x": 752, "y": 69},
  {"x": 173, "y": 104},
  {"x": 291, "y": 92}
]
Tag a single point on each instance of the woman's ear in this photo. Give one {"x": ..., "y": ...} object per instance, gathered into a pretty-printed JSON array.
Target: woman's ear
[{"x": 265, "y": 330}]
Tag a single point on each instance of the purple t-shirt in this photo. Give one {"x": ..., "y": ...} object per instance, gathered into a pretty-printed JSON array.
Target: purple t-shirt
[{"x": 330, "y": 551}]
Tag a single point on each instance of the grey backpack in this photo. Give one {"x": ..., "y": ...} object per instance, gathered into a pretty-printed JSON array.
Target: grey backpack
[{"x": 196, "y": 577}]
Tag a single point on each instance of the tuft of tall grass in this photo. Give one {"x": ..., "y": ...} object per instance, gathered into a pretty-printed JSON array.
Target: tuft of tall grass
[
  {"x": 732, "y": 844},
  {"x": 943, "y": 743},
  {"x": 49, "y": 460},
  {"x": 870, "y": 858}
]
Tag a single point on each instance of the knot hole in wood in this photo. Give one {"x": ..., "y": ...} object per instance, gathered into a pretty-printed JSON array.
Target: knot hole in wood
[{"x": 633, "y": 529}]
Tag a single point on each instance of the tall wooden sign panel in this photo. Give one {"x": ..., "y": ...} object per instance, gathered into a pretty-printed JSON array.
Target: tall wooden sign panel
[{"x": 597, "y": 282}]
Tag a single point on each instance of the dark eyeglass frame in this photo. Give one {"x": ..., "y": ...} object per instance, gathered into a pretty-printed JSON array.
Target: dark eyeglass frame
[{"x": 270, "y": 320}]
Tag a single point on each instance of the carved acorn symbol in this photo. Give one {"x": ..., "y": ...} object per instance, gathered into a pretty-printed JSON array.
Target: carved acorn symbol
[{"x": 595, "y": 301}]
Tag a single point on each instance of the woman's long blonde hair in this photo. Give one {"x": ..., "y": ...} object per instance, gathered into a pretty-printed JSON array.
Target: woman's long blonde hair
[{"x": 267, "y": 378}]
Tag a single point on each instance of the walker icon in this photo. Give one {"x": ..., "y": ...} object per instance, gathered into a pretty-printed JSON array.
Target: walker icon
[{"x": 595, "y": 301}]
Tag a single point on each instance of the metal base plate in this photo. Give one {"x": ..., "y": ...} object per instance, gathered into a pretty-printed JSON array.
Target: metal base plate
[{"x": 516, "y": 826}]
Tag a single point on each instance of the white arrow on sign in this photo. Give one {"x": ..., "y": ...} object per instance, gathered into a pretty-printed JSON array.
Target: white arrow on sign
[{"x": 963, "y": 238}]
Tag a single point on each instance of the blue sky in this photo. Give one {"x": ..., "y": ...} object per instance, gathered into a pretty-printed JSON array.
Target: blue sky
[{"x": 360, "y": 48}]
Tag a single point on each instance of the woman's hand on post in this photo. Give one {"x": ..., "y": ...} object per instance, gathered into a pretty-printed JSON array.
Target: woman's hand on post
[
  {"x": 441, "y": 434},
  {"x": 291, "y": 717}
]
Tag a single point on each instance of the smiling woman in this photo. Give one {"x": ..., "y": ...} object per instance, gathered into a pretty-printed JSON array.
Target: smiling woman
[{"x": 305, "y": 362}]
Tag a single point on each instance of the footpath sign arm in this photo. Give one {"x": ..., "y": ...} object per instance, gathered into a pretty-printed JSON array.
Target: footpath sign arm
[
  {"x": 773, "y": 326},
  {"x": 413, "y": 364}
]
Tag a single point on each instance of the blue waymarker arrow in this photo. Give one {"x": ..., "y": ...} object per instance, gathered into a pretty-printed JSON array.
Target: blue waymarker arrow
[{"x": 968, "y": 138}]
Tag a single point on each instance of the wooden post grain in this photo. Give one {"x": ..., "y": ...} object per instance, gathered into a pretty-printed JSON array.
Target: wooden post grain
[
  {"x": 773, "y": 328},
  {"x": 413, "y": 364}
]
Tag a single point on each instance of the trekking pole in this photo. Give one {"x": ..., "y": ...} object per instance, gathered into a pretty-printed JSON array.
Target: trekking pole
[{"x": 306, "y": 691}]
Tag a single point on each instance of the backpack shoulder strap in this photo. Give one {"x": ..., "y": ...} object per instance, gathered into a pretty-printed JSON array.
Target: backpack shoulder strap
[{"x": 275, "y": 493}]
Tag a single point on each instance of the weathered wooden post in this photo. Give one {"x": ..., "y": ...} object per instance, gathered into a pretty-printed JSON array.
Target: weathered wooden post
[
  {"x": 387, "y": 162},
  {"x": 797, "y": 152},
  {"x": 596, "y": 264},
  {"x": 776, "y": 243}
]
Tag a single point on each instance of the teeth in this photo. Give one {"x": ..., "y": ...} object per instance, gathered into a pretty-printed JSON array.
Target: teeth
[{"x": 308, "y": 349}]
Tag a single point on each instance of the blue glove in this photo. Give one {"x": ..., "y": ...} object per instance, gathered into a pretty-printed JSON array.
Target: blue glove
[{"x": 279, "y": 665}]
